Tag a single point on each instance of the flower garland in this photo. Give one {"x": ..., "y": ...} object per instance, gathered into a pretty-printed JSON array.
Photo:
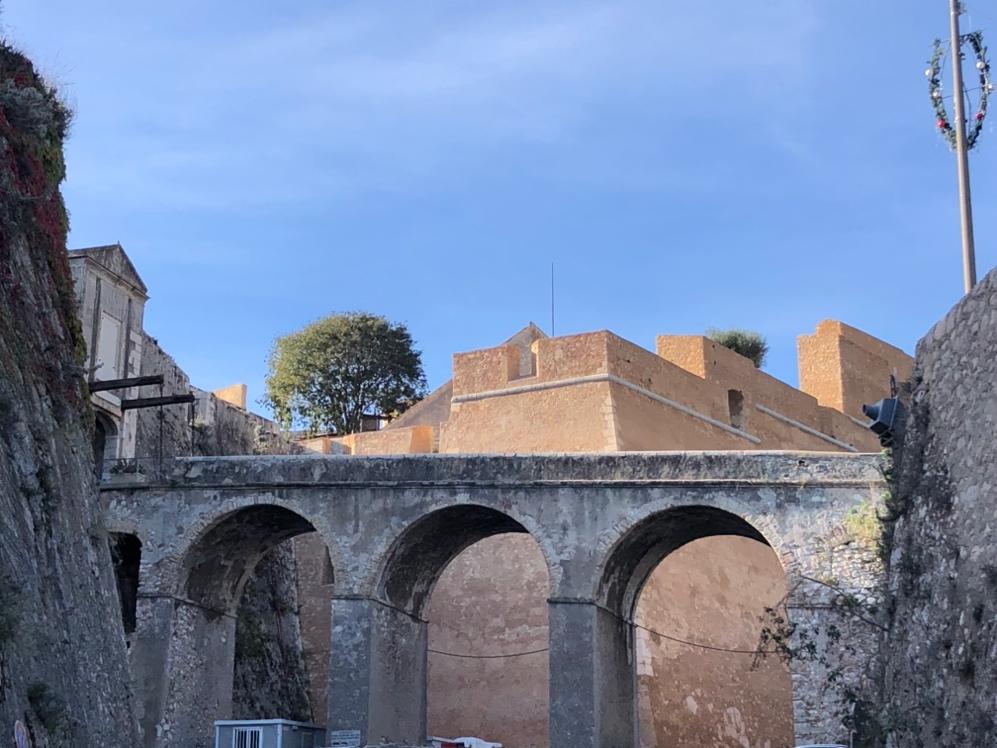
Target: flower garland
[{"x": 934, "y": 74}]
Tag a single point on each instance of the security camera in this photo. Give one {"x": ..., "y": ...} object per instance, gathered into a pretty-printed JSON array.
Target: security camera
[{"x": 884, "y": 415}]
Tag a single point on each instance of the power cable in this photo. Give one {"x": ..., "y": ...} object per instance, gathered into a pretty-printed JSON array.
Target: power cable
[
  {"x": 699, "y": 645},
  {"x": 487, "y": 657},
  {"x": 677, "y": 640}
]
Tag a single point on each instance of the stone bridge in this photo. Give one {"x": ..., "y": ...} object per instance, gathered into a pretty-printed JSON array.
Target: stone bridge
[{"x": 391, "y": 525}]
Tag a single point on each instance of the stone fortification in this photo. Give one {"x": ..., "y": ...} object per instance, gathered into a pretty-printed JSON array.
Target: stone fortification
[
  {"x": 218, "y": 427},
  {"x": 603, "y": 393},
  {"x": 64, "y": 673},
  {"x": 941, "y": 679},
  {"x": 597, "y": 392}
]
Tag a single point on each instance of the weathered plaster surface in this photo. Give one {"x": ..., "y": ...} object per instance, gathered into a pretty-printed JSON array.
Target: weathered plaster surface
[
  {"x": 493, "y": 680},
  {"x": 714, "y": 592}
]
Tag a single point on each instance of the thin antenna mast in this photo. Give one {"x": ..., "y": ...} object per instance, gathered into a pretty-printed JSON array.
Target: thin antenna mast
[{"x": 552, "y": 299}]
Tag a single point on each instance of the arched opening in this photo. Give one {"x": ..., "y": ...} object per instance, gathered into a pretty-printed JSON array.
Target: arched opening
[
  {"x": 218, "y": 566},
  {"x": 697, "y": 583},
  {"x": 420, "y": 554},
  {"x": 104, "y": 442},
  {"x": 484, "y": 594},
  {"x": 488, "y": 644},
  {"x": 126, "y": 555},
  {"x": 236, "y": 650}
]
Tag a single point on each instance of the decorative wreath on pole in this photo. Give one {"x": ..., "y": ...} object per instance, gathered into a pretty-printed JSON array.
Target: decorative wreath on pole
[{"x": 934, "y": 73}]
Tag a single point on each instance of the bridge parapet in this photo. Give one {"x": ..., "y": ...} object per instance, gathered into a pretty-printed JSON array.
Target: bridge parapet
[{"x": 774, "y": 467}]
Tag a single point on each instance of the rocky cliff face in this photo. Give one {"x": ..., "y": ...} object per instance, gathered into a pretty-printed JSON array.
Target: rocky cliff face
[
  {"x": 63, "y": 671},
  {"x": 941, "y": 673},
  {"x": 270, "y": 678}
]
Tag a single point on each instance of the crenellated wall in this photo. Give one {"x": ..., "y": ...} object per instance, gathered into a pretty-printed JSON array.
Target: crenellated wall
[
  {"x": 599, "y": 392},
  {"x": 845, "y": 368}
]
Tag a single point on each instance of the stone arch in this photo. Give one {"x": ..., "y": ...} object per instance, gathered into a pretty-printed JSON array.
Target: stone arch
[
  {"x": 220, "y": 559},
  {"x": 638, "y": 550},
  {"x": 214, "y": 560},
  {"x": 657, "y": 573},
  {"x": 421, "y": 552}
]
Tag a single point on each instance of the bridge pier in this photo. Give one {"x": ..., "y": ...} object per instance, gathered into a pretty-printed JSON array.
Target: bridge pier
[
  {"x": 181, "y": 660},
  {"x": 377, "y": 673},
  {"x": 200, "y": 664},
  {"x": 148, "y": 655},
  {"x": 591, "y": 677}
]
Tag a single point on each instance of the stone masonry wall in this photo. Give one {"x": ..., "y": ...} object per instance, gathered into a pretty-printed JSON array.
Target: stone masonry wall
[
  {"x": 218, "y": 427},
  {"x": 63, "y": 671},
  {"x": 941, "y": 676},
  {"x": 270, "y": 676},
  {"x": 599, "y": 521}
]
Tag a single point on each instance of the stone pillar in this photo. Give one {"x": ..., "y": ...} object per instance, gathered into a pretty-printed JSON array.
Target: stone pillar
[
  {"x": 199, "y": 677},
  {"x": 147, "y": 657},
  {"x": 377, "y": 672},
  {"x": 592, "y": 701}
]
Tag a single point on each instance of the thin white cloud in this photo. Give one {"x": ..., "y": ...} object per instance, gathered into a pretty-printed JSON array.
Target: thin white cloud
[{"x": 369, "y": 98}]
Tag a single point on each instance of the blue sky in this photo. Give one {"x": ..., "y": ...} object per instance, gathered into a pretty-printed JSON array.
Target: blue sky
[{"x": 684, "y": 165}]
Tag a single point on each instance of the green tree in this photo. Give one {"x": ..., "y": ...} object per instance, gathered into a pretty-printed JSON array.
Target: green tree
[
  {"x": 748, "y": 343},
  {"x": 326, "y": 376}
]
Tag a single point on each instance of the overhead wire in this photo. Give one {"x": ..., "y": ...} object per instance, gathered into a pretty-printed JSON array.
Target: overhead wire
[{"x": 677, "y": 640}]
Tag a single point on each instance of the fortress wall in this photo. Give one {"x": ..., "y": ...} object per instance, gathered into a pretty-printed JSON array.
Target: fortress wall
[
  {"x": 566, "y": 419},
  {"x": 485, "y": 370},
  {"x": 409, "y": 440},
  {"x": 844, "y": 367},
  {"x": 643, "y": 424},
  {"x": 503, "y": 699},
  {"x": 941, "y": 676},
  {"x": 553, "y": 397},
  {"x": 713, "y": 591},
  {"x": 495, "y": 604}
]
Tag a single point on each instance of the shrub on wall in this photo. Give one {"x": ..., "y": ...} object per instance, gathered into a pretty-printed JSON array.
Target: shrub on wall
[{"x": 747, "y": 343}]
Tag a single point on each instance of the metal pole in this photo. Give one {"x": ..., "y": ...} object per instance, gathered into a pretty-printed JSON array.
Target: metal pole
[{"x": 961, "y": 151}]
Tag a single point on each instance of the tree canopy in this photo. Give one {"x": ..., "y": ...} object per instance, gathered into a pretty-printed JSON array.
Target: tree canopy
[
  {"x": 325, "y": 377},
  {"x": 748, "y": 343}
]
